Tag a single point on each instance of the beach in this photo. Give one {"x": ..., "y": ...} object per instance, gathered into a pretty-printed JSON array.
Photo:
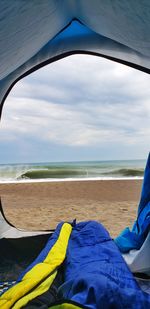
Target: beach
[{"x": 42, "y": 205}]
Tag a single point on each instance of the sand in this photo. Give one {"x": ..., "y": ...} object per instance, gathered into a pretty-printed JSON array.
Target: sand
[{"x": 42, "y": 205}]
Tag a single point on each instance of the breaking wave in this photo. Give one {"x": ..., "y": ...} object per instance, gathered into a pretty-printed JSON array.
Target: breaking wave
[
  {"x": 72, "y": 170},
  {"x": 52, "y": 173},
  {"x": 126, "y": 172},
  {"x": 79, "y": 173}
]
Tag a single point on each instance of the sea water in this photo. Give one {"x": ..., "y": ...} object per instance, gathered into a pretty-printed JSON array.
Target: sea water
[{"x": 85, "y": 170}]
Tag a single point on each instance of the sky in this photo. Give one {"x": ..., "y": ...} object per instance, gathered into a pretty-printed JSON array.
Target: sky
[{"x": 78, "y": 108}]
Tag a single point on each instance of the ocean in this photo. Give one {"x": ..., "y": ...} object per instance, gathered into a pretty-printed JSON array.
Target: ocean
[{"x": 87, "y": 170}]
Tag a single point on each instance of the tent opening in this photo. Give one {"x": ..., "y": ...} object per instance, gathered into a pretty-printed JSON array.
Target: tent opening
[{"x": 74, "y": 141}]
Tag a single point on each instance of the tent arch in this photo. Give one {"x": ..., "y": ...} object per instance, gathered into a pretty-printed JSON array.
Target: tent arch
[{"x": 78, "y": 35}]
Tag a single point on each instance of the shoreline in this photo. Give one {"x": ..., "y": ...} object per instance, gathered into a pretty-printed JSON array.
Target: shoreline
[
  {"x": 42, "y": 205},
  {"x": 70, "y": 179}
]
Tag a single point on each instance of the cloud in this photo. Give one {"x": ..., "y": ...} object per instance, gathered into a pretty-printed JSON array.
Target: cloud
[{"x": 80, "y": 102}]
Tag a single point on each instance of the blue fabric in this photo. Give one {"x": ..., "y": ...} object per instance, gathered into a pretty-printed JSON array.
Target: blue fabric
[
  {"x": 145, "y": 196},
  {"x": 95, "y": 273},
  {"x": 129, "y": 240},
  {"x": 134, "y": 239}
]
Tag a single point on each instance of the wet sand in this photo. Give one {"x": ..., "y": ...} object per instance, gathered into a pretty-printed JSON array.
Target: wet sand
[{"x": 42, "y": 205}]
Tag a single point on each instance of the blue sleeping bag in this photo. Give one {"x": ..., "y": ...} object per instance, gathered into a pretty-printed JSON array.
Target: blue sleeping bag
[{"x": 96, "y": 275}]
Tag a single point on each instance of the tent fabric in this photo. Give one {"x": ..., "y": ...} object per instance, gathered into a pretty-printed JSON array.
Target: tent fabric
[
  {"x": 135, "y": 238},
  {"x": 139, "y": 261},
  {"x": 34, "y": 34}
]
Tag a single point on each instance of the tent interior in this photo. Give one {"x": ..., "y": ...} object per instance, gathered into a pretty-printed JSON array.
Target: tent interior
[{"x": 48, "y": 31}]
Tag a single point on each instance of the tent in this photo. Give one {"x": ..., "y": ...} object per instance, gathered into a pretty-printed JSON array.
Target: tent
[
  {"x": 33, "y": 35},
  {"x": 36, "y": 33}
]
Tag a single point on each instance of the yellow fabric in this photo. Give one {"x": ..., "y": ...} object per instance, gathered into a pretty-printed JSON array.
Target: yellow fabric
[
  {"x": 65, "y": 306},
  {"x": 42, "y": 288},
  {"x": 39, "y": 272}
]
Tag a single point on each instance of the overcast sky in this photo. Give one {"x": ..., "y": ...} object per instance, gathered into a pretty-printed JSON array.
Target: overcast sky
[{"x": 78, "y": 108}]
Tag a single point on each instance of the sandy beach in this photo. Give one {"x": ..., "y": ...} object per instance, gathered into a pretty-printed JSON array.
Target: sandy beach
[{"x": 42, "y": 205}]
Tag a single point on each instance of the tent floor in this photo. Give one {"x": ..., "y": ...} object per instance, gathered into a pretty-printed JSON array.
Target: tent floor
[{"x": 17, "y": 254}]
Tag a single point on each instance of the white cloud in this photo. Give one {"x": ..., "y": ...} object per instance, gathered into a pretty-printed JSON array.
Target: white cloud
[{"x": 80, "y": 101}]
